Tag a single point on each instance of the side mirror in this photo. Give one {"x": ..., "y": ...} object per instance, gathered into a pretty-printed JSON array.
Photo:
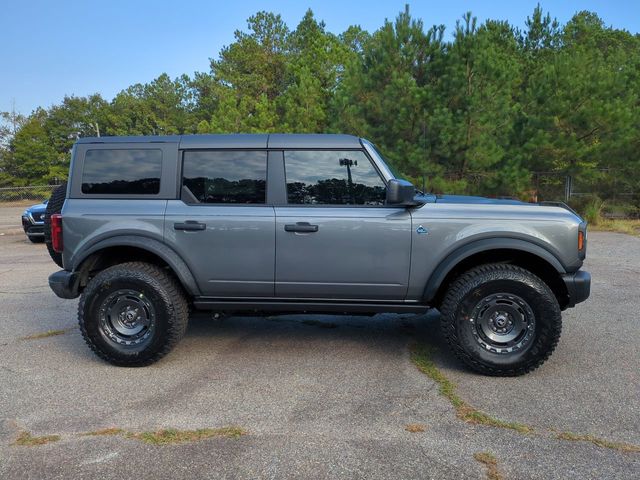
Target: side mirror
[{"x": 401, "y": 192}]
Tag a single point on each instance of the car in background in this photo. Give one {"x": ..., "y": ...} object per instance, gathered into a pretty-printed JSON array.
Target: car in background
[{"x": 33, "y": 222}]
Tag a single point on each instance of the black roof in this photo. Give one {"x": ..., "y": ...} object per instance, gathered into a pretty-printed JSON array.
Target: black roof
[{"x": 241, "y": 140}]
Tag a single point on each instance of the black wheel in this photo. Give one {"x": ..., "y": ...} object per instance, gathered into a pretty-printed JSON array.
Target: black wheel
[
  {"x": 34, "y": 239},
  {"x": 132, "y": 314},
  {"x": 54, "y": 206},
  {"x": 501, "y": 320}
]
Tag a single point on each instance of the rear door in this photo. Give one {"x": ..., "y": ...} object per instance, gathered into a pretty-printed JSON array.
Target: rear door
[
  {"x": 335, "y": 237},
  {"x": 222, "y": 226}
]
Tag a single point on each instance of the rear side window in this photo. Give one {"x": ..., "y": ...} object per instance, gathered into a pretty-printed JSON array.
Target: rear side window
[
  {"x": 224, "y": 177},
  {"x": 122, "y": 171},
  {"x": 332, "y": 178}
]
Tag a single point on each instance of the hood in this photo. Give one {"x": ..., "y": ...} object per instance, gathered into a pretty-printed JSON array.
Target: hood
[
  {"x": 40, "y": 207},
  {"x": 477, "y": 200}
]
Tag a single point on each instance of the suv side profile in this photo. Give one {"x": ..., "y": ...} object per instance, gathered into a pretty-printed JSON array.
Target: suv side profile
[{"x": 149, "y": 227}]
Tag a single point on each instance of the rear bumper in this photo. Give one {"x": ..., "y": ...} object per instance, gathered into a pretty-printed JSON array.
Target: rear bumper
[
  {"x": 64, "y": 284},
  {"x": 578, "y": 286}
]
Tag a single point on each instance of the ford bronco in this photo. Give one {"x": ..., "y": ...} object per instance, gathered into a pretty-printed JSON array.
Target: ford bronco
[{"x": 149, "y": 227}]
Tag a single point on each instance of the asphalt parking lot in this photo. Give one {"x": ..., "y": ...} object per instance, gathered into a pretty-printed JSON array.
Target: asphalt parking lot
[{"x": 315, "y": 396}]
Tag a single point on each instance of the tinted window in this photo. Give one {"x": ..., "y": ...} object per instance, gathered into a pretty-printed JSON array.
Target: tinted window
[
  {"x": 122, "y": 172},
  {"x": 332, "y": 178},
  {"x": 225, "y": 177}
]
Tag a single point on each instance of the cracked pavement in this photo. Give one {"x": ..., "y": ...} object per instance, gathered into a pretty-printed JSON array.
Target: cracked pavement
[{"x": 316, "y": 402}]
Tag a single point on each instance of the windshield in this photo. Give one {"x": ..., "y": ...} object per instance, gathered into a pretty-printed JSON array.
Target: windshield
[{"x": 390, "y": 167}]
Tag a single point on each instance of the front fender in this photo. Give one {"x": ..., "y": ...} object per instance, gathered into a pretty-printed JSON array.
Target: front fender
[{"x": 483, "y": 245}]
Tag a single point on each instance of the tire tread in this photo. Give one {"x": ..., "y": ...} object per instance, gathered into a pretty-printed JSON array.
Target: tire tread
[{"x": 548, "y": 332}]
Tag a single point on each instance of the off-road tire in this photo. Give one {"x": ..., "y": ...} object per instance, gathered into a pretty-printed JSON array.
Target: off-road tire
[
  {"x": 468, "y": 292},
  {"x": 54, "y": 206},
  {"x": 159, "y": 288}
]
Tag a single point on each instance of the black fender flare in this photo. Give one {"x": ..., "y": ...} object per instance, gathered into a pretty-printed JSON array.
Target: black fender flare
[
  {"x": 151, "y": 245},
  {"x": 484, "y": 245}
]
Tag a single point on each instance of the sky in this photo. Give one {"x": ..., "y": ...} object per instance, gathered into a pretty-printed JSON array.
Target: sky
[{"x": 49, "y": 49}]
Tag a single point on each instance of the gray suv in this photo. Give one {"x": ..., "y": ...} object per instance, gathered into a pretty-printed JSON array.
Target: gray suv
[{"x": 149, "y": 227}]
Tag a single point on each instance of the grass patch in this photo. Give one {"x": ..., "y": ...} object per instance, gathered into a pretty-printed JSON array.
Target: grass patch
[
  {"x": 415, "y": 428},
  {"x": 421, "y": 357},
  {"x": 318, "y": 323},
  {"x": 25, "y": 439},
  {"x": 48, "y": 333},
  {"x": 490, "y": 463},
  {"x": 104, "y": 432},
  {"x": 170, "y": 436},
  {"x": 630, "y": 227},
  {"x": 623, "y": 447}
]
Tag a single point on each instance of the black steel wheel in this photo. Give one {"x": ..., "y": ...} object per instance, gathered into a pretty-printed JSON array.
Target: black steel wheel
[
  {"x": 133, "y": 314},
  {"x": 501, "y": 320}
]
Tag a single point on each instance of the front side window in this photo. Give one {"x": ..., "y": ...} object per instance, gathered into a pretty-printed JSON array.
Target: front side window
[
  {"x": 332, "y": 178},
  {"x": 224, "y": 177},
  {"x": 122, "y": 171}
]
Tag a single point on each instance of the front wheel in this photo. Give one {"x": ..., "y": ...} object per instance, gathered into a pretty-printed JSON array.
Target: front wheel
[
  {"x": 132, "y": 314},
  {"x": 501, "y": 320}
]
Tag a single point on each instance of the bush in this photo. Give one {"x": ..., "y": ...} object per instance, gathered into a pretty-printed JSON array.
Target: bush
[{"x": 593, "y": 211}]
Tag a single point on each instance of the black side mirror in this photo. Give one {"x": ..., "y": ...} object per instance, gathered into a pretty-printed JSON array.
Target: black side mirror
[{"x": 401, "y": 192}]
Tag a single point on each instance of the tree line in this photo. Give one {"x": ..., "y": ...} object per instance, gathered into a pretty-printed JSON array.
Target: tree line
[{"x": 490, "y": 101}]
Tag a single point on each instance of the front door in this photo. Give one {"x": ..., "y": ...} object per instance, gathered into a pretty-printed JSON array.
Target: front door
[
  {"x": 335, "y": 238},
  {"x": 222, "y": 226}
]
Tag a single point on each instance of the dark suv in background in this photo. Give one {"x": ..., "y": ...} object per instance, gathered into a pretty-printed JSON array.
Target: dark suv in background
[{"x": 33, "y": 222}]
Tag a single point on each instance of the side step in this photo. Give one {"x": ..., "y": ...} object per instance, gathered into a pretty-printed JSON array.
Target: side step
[{"x": 310, "y": 306}]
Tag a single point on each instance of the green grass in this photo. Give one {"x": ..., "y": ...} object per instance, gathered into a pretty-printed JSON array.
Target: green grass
[
  {"x": 48, "y": 333},
  {"x": 25, "y": 439},
  {"x": 170, "y": 436},
  {"x": 421, "y": 357},
  {"x": 491, "y": 463},
  {"x": 630, "y": 227},
  {"x": 104, "y": 432},
  {"x": 574, "y": 437}
]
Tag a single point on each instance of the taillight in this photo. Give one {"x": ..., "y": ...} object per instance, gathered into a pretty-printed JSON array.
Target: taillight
[{"x": 56, "y": 232}]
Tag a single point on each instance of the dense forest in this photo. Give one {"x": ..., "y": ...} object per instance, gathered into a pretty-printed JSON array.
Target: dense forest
[{"x": 488, "y": 108}]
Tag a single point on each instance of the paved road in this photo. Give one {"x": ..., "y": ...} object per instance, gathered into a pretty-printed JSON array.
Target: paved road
[
  {"x": 11, "y": 220},
  {"x": 316, "y": 402}
]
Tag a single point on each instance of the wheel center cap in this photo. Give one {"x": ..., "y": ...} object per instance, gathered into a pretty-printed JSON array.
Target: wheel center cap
[{"x": 500, "y": 321}]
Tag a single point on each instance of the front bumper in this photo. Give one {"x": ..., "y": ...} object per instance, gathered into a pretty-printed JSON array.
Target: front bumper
[
  {"x": 64, "y": 284},
  {"x": 32, "y": 229},
  {"x": 578, "y": 287}
]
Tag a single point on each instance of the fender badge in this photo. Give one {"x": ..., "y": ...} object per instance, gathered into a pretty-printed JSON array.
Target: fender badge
[{"x": 421, "y": 230}]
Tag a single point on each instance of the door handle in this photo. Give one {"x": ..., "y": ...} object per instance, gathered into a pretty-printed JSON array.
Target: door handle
[
  {"x": 305, "y": 227},
  {"x": 190, "y": 226}
]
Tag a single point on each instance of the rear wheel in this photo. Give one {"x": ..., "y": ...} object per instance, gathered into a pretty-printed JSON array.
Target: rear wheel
[
  {"x": 54, "y": 206},
  {"x": 132, "y": 314},
  {"x": 501, "y": 320}
]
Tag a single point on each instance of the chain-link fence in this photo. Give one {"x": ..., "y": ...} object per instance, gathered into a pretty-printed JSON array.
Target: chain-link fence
[
  {"x": 31, "y": 193},
  {"x": 612, "y": 190}
]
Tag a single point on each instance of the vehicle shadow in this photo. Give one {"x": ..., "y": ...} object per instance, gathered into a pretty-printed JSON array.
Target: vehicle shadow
[{"x": 391, "y": 333}]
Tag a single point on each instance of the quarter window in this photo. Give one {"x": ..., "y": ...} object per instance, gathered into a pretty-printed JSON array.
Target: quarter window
[
  {"x": 224, "y": 177},
  {"x": 122, "y": 171},
  {"x": 332, "y": 178}
]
